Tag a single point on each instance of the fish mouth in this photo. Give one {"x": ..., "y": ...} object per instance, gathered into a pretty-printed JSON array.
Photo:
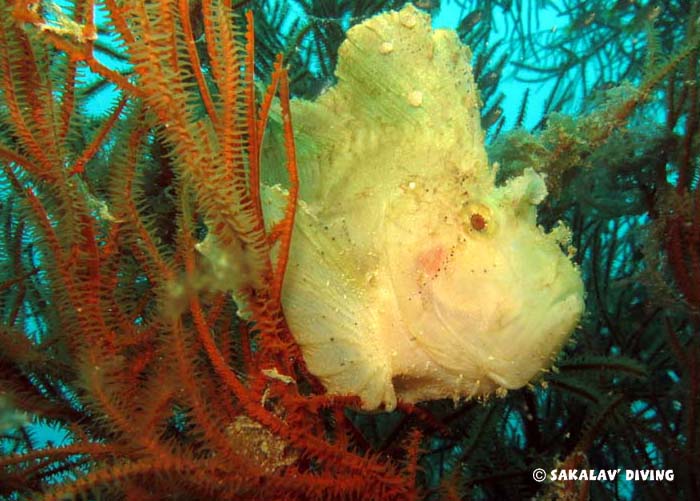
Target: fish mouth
[{"x": 561, "y": 314}]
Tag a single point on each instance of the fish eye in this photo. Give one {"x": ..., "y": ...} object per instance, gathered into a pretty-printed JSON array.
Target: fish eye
[
  {"x": 477, "y": 221},
  {"x": 479, "y": 218}
]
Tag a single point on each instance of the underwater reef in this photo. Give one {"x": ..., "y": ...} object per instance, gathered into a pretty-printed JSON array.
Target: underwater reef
[{"x": 303, "y": 252}]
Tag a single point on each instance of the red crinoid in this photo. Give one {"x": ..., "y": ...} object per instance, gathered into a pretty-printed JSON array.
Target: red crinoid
[
  {"x": 683, "y": 250},
  {"x": 163, "y": 392}
]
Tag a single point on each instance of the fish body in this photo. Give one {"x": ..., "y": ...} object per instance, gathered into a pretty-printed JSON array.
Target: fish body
[{"x": 411, "y": 275}]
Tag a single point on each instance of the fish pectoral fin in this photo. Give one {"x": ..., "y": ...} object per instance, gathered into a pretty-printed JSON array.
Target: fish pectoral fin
[{"x": 332, "y": 319}]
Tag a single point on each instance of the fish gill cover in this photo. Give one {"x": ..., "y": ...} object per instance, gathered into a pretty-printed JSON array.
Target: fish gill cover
[{"x": 179, "y": 268}]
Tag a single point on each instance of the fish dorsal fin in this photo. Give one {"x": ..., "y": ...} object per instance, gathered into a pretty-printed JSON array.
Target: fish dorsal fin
[{"x": 405, "y": 106}]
